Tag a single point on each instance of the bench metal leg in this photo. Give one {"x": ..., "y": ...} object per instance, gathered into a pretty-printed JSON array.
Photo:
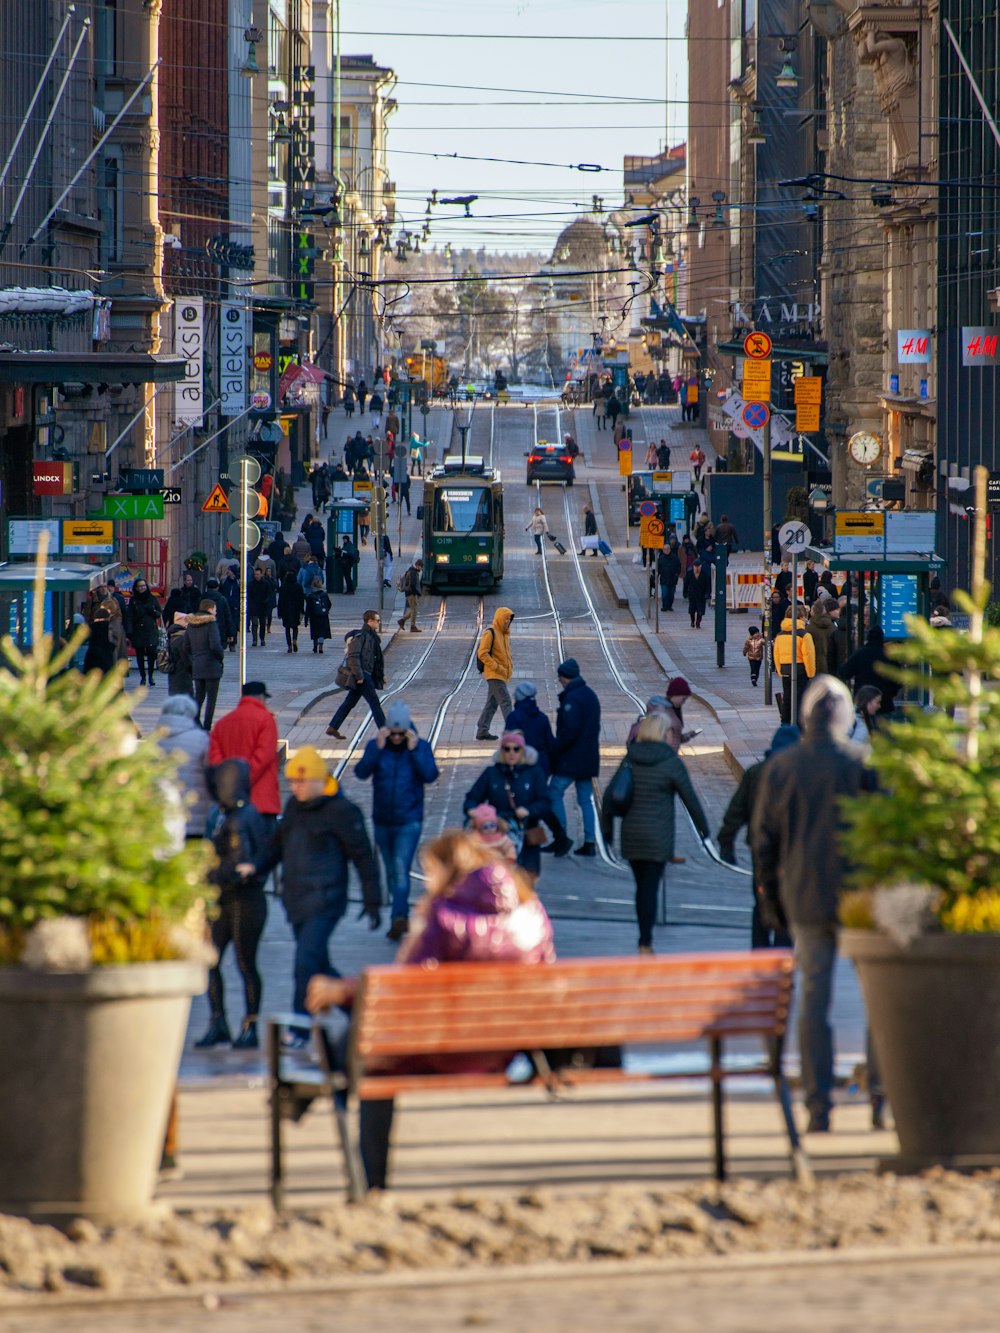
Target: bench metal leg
[
  {"x": 357, "y": 1185},
  {"x": 277, "y": 1166},
  {"x": 720, "y": 1146},
  {"x": 800, "y": 1162}
]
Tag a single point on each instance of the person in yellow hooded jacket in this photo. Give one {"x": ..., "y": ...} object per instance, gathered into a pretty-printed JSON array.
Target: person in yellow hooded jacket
[
  {"x": 497, "y": 666},
  {"x": 805, "y": 664}
]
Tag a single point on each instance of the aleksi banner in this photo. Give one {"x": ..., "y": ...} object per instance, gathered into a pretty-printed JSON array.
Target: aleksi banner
[
  {"x": 189, "y": 342},
  {"x": 233, "y": 339}
]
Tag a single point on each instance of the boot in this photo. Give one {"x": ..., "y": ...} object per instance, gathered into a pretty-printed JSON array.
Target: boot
[
  {"x": 295, "y": 646},
  {"x": 878, "y": 1112},
  {"x": 587, "y": 849},
  {"x": 400, "y": 926},
  {"x": 247, "y": 1040},
  {"x": 562, "y": 846},
  {"x": 216, "y": 1035},
  {"x": 321, "y": 645}
]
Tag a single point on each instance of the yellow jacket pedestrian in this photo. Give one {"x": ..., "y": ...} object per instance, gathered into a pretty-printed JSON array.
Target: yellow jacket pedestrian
[{"x": 494, "y": 647}]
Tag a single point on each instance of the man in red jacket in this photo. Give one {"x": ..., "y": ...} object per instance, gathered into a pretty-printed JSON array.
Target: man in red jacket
[{"x": 250, "y": 732}]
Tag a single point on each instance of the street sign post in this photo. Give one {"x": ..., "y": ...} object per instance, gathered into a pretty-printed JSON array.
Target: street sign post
[
  {"x": 756, "y": 415},
  {"x": 757, "y": 381},
  {"x": 216, "y": 502},
  {"x": 625, "y": 470}
]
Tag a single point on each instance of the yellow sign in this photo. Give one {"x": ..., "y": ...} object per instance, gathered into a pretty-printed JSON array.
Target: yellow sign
[
  {"x": 808, "y": 391},
  {"x": 757, "y": 381},
  {"x": 870, "y": 523},
  {"x": 624, "y": 462},
  {"x": 651, "y": 533},
  {"x": 216, "y": 502},
  {"x": 806, "y": 417},
  {"x": 662, "y": 480},
  {"x": 363, "y": 490},
  {"x": 88, "y": 536}
]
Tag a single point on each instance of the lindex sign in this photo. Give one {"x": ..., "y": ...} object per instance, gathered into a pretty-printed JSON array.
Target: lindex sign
[{"x": 132, "y": 507}]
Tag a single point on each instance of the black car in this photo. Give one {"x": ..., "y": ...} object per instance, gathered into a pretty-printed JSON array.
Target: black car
[{"x": 551, "y": 462}]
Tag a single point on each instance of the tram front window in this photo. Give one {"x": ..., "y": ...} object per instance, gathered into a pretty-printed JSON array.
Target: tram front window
[{"x": 462, "y": 509}]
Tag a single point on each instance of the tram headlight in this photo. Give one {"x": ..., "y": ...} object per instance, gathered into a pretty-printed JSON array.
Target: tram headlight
[
  {"x": 442, "y": 558},
  {"x": 482, "y": 559}
]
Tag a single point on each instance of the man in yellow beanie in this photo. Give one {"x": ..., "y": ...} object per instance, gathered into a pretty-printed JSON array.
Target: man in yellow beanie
[{"x": 319, "y": 836}]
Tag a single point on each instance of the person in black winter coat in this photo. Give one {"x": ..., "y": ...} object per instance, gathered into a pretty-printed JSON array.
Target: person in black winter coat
[
  {"x": 366, "y": 670},
  {"x": 576, "y": 754},
  {"x": 318, "y": 610},
  {"x": 260, "y": 599},
  {"x": 697, "y": 588},
  {"x": 529, "y": 719},
  {"x": 239, "y": 835},
  {"x": 179, "y": 679},
  {"x": 175, "y": 603},
  {"x": 795, "y": 839},
  {"x": 291, "y": 608},
  {"x": 100, "y": 654},
  {"x": 204, "y": 656},
  {"x": 863, "y": 668},
  {"x": 190, "y": 593},
  {"x": 668, "y": 571},
  {"x": 224, "y": 616},
  {"x": 319, "y": 836},
  {"x": 229, "y": 588},
  {"x": 316, "y": 537},
  {"x": 142, "y": 628}
]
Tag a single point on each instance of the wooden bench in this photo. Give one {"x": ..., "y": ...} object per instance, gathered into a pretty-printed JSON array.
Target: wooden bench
[{"x": 403, "y": 1016}]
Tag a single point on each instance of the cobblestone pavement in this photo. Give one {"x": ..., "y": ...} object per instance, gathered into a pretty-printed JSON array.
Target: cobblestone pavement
[
  {"x": 784, "y": 1294},
  {"x": 591, "y": 902}
]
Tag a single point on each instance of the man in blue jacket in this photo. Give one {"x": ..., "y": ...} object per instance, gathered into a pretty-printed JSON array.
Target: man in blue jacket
[
  {"x": 576, "y": 756},
  {"x": 400, "y": 765}
]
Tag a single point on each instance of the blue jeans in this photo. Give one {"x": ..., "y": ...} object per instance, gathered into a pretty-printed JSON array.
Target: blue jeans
[
  {"x": 815, "y": 959},
  {"x": 558, "y": 786},
  {"x": 667, "y": 592},
  {"x": 397, "y": 846},
  {"x": 312, "y": 957}
]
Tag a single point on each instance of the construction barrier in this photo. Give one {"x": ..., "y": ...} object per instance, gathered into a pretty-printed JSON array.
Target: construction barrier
[{"x": 744, "y": 589}]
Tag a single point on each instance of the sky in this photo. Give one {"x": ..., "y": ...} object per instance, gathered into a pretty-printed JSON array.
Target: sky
[{"x": 526, "y": 89}]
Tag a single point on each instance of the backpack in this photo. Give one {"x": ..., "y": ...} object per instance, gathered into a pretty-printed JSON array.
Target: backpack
[{"x": 480, "y": 665}]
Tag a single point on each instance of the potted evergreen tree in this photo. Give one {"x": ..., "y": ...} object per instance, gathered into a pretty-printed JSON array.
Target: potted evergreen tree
[
  {"x": 101, "y": 946},
  {"x": 923, "y": 924}
]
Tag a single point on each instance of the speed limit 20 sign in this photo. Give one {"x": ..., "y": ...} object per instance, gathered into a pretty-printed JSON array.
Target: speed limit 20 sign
[{"x": 793, "y": 536}]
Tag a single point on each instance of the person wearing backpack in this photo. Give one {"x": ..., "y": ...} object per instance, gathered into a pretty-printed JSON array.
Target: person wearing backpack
[
  {"x": 493, "y": 658},
  {"x": 410, "y": 585}
]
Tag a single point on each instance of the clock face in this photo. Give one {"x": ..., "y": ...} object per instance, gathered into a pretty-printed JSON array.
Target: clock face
[{"x": 864, "y": 448}]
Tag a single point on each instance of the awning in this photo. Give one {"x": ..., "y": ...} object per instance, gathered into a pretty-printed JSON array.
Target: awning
[
  {"x": 60, "y": 576},
  {"x": 90, "y": 368},
  {"x": 299, "y": 373}
]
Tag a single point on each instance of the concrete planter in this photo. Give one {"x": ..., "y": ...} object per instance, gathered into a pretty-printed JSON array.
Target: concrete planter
[
  {"x": 934, "y": 1011},
  {"x": 88, "y": 1063}
]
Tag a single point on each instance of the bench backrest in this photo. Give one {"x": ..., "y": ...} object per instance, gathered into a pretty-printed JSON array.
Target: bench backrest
[{"x": 458, "y": 1008}]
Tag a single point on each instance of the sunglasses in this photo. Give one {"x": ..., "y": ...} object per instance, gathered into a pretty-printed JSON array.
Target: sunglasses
[
  {"x": 513, "y": 748},
  {"x": 397, "y": 735},
  {"x": 487, "y": 828}
]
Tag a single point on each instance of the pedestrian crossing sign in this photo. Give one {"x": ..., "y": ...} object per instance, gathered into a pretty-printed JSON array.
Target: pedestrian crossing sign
[{"x": 216, "y": 502}]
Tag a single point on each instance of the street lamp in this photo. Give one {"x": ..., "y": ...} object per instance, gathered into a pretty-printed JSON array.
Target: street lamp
[{"x": 253, "y": 36}]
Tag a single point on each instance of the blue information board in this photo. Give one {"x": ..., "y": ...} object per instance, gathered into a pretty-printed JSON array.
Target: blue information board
[
  {"x": 677, "y": 511},
  {"x": 899, "y": 600}
]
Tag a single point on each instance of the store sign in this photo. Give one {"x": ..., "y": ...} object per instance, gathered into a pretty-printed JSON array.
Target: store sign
[
  {"x": 133, "y": 507},
  {"x": 52, "y": 478},
  {"x": 233, "y": 339},
  {"x": 914, "y": 347},
  {"x": 859, "y": 533},
  {"x": 88, "y": 536},
  {"x": 993, "y": 492},
  {"x": 980, "y": 345},
  {"x": 189, "y": 342}
]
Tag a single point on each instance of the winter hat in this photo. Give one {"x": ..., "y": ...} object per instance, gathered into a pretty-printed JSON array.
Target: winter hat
[
  {"x": 309, "y": 764},
  {"x": 569, "y": 670},
  {"x": 784, "y": 736},
  {"x": 679, "y": 686},
  {"x": 256, "y": 689},
  {"x": 526, "y": 690},
  {"x": 512, "y": 737},
  {"x": 397, "y": 717},
  {"x": 483, "y": 814},
  {"x": 657, "y": 701}
]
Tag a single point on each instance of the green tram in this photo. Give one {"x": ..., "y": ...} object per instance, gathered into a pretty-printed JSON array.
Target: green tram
[{"x": 462, "y": 518}]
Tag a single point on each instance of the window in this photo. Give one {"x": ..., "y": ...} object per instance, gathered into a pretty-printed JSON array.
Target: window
[
  {"x": 107, "y": 38},
  {"x": 112, "y": 206},
  {"x": 462, "y": 509}
]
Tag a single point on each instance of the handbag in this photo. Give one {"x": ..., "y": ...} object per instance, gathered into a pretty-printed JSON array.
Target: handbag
[
  {"x": 620, "y": 791},
  {"x": 162, "y": 651},
  {"x": 529, "y": 837}
]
